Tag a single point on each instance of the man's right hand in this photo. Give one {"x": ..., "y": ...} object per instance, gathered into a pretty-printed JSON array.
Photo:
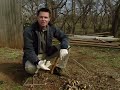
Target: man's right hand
[{"x": 41, "y": 64}]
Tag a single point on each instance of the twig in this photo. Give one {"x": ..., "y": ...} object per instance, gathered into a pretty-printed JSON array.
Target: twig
[
  {"x": 81, "y": 66},
  {"x": 55, "y": 63}
]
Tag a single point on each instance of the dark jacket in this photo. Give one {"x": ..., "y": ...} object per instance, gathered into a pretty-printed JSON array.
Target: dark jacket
[{"x": 32, "y": 39}]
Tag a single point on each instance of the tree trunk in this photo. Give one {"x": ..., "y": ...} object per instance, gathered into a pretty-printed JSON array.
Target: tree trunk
[{"x": 115, "y": 22}]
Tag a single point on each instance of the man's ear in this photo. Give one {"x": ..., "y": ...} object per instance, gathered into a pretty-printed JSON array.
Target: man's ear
[
  {"x": 37, "y": 18},
  {"x": 49, "y": 19}
]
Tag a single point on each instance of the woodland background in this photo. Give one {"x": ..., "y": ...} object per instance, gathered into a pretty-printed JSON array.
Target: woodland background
[{"x": 83, "y": 17}]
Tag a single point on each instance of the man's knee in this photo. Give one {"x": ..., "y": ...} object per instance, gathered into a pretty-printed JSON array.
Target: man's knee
[{"x": 29, "y": 67}]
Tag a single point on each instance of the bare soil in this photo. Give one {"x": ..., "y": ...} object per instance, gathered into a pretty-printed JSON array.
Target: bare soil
[{"x": 96, "y": 75}]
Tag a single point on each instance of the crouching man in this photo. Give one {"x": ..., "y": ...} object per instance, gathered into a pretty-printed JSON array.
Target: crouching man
[{"x": 38, "y": 45}]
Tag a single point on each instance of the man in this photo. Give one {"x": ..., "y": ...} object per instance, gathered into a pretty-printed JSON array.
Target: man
[{"x": 38, "y": 44}]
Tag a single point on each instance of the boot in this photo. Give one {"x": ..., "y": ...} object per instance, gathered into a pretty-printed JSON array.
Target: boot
[{"x": 60, "y": 72}]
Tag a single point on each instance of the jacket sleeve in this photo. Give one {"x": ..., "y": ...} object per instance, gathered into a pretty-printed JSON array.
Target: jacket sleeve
[
  {"x": 60, "y": 35},
  {"x": 29, "y": 51}
]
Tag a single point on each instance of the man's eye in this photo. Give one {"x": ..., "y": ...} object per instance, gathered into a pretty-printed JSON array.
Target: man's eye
[{"x": 45, "y": 17}]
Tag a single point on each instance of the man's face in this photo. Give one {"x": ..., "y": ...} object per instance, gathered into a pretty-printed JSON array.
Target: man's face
[{"x": 43, "y": 19}]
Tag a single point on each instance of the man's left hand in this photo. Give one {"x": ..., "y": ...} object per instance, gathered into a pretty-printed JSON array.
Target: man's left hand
[{"x": 63, "y": 53}]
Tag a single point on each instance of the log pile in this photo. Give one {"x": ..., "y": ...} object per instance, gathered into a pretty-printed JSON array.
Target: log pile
[{"x": 96, "y": 41}]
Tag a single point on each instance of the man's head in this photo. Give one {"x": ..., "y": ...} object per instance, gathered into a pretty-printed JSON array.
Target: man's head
[{"x": 43, "y": 16}]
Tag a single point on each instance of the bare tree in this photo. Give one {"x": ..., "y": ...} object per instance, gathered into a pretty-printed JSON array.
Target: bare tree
[
  {"x": 115, "y": 22},
  {"x": 85, "y": 15}
]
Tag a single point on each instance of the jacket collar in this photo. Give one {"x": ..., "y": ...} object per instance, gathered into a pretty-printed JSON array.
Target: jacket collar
[{"x": 35, "y": 26}]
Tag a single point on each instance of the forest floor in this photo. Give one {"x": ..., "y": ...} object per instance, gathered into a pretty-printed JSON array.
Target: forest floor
[{"x": 96, "y": 68}]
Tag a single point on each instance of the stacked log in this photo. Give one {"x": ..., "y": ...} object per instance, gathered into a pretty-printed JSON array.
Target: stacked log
[{"x": 95, "y": 42}]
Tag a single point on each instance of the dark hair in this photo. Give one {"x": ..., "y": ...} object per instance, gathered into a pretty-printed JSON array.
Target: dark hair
[{"x": 43, "y": 10}]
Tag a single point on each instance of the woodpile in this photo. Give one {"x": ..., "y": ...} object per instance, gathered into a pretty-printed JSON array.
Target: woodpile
[{"x": 110, "y": 42}]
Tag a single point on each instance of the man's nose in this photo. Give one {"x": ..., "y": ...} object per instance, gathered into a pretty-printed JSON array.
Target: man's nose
[{"x": 43, "y": 18}]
